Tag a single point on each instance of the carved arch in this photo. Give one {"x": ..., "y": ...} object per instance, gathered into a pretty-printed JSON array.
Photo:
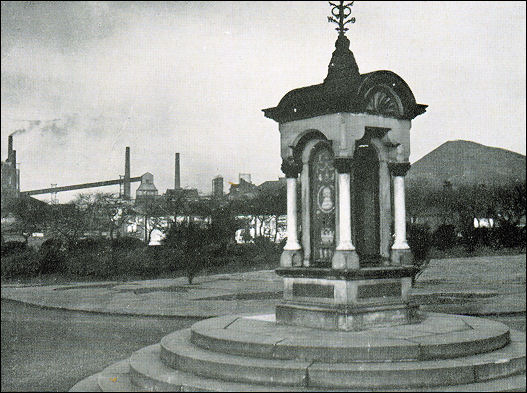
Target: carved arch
[{"x": 303, "y": 139}]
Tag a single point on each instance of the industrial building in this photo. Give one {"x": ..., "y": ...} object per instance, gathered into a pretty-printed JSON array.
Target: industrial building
[
  {"x": 217, "y": 187},
  {"x": 10, "y": 174},
  {"x": 147, "y": 189},
  {"x": 138, "y": 225}
]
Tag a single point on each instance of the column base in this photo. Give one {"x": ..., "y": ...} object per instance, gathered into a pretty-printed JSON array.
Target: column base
[
  {"x": 402, "y": 257},
  {"x": 345, "y": 259},
  {"x": 290, "y": 258}
]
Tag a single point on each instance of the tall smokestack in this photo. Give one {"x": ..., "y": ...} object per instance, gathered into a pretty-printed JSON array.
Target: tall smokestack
[
  {"x": 15, "y": 180},
  {"x": 10, "y": 148},
  {"x": 177, "y": 178},
  {"x": 126, "y": 184},
  {"x": 18, "y": 181}
]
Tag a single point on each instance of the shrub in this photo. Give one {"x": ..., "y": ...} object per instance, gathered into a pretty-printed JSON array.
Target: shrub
[
  {"x": 445, "y": 237},
  {"x": 483, "y": 236},
  {"x": 103, "y": 258},
  {"x": 419, "y": 240},
  {"x": 13, "y": 247},
  {"x": 127, "y": 243},
  {"x": 282, "y": 243},
  {"x": 90, "y": 244},
  {"x": 52, "y": 256},
  {"x": 199, "y": 260},
  {"x": 236, "y": 249},
  {"x": 196, "y": 245},
  {"x": 90, "y": 262},
  {"x": 145, "y": 263},
  {"x": 263, "y": 242},
  {"x": 168, "y": 258},
  {"x": 23, "y": 264},
  {"x": 508, "y": 234},
  {"x": 89, "y": 257},
  {"x": 110, "y": 263},
  {"x": 246, "y": 235},
  {"x": 469, "y": 237}
]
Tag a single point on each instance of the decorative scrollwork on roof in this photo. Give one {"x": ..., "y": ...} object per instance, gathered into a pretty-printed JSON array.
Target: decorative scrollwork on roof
[{"x": 382, "y": 100}]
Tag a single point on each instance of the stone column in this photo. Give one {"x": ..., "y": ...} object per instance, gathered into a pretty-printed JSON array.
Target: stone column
[
  {"x": 345, "y": 256},
  {"x": 292, "y": 254},
  {"x": 400, "y": 248},
  {"x": 292, "y": 236}
]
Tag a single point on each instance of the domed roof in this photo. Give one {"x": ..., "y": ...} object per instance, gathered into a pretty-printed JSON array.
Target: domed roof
[{"x": 346, "y": 90}]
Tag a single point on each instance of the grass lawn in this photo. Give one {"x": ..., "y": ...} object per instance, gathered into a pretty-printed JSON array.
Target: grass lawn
[{"x": 460, "y": 252}]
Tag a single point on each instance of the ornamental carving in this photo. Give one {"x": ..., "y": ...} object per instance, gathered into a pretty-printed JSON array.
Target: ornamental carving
[
  {"x": 381, "y": 100},
  {"x": 322, "y": 206},
  {"x": 399, "y": 168},
  {"x": 290, "y": 167}
]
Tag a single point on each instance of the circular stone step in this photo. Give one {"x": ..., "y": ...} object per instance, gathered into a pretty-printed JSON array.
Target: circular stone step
[
  {"x": 501, "y": 370},
  {"x": 148, "y": 372},
  {"x": 438, "y": 336},
  {"x": 179, "y": 353}
]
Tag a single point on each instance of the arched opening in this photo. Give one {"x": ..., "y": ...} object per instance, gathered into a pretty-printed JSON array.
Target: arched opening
[
  {"x": 366, "y": 204},
  {"x": 303, "y": 140},
  {"x": 322, "y": 204}
]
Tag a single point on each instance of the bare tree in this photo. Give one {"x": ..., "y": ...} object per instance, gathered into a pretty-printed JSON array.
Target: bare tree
[
  {"x": 105, "y": 212},
  {"x": 68, "y": 222},
  {"x": 156, "y": 215},
  {"x": 30, "y": 217}
]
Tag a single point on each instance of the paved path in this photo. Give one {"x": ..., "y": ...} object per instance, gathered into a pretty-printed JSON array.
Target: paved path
[
  {"x": 51, "y": 350},
  {"x": 477, "y": 286},
  {"x": 208, "y": 296}
]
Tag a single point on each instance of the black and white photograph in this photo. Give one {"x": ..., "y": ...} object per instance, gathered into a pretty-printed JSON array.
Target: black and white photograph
[{"x": 263, "y": 196}]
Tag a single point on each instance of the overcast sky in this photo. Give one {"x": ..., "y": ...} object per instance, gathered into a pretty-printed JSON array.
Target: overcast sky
[{"x": 193, "y": 77}]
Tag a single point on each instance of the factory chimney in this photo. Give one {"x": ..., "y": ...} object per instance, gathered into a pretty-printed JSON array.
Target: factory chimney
[
  {"x": 177, "y": 178},
  {"x": 10, "y": 148},
  {"x": 126, "y": 184}
]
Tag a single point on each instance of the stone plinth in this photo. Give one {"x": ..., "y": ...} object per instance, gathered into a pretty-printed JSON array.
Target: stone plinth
[{"x": 347, "y": 299}]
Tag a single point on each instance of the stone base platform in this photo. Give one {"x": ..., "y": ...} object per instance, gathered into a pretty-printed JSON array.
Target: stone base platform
[
  {"x": 347, "y": 318},
  {"x": 349, "y": 299},
  {"x": 254, "y": 353}
]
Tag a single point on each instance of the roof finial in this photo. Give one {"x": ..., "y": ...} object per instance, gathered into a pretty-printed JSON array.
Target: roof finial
[{"x": 342, "y": 12}]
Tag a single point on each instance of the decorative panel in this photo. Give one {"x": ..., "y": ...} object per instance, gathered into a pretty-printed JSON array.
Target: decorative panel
[
  {"x": 379, "y": 290},
  {"x": 313, "y": 290},
  {"x": 323, "y": 200}
]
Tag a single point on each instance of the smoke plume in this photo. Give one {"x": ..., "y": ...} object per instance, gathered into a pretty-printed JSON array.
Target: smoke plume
[{"x": 18, "y": 132}]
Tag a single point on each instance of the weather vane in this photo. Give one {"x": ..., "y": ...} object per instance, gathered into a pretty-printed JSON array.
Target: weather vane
[{"x": 342, "y": 12}]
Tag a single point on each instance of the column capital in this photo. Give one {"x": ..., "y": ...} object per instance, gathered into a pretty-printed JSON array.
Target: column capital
[
  {"x": 343, "y": 164},
  {"x": 290, "y": 167},
  {"x": 399, "y": 168}
]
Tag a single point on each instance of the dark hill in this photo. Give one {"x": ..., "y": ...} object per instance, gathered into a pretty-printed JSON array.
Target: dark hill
[{"x": 467, "y": 163}]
